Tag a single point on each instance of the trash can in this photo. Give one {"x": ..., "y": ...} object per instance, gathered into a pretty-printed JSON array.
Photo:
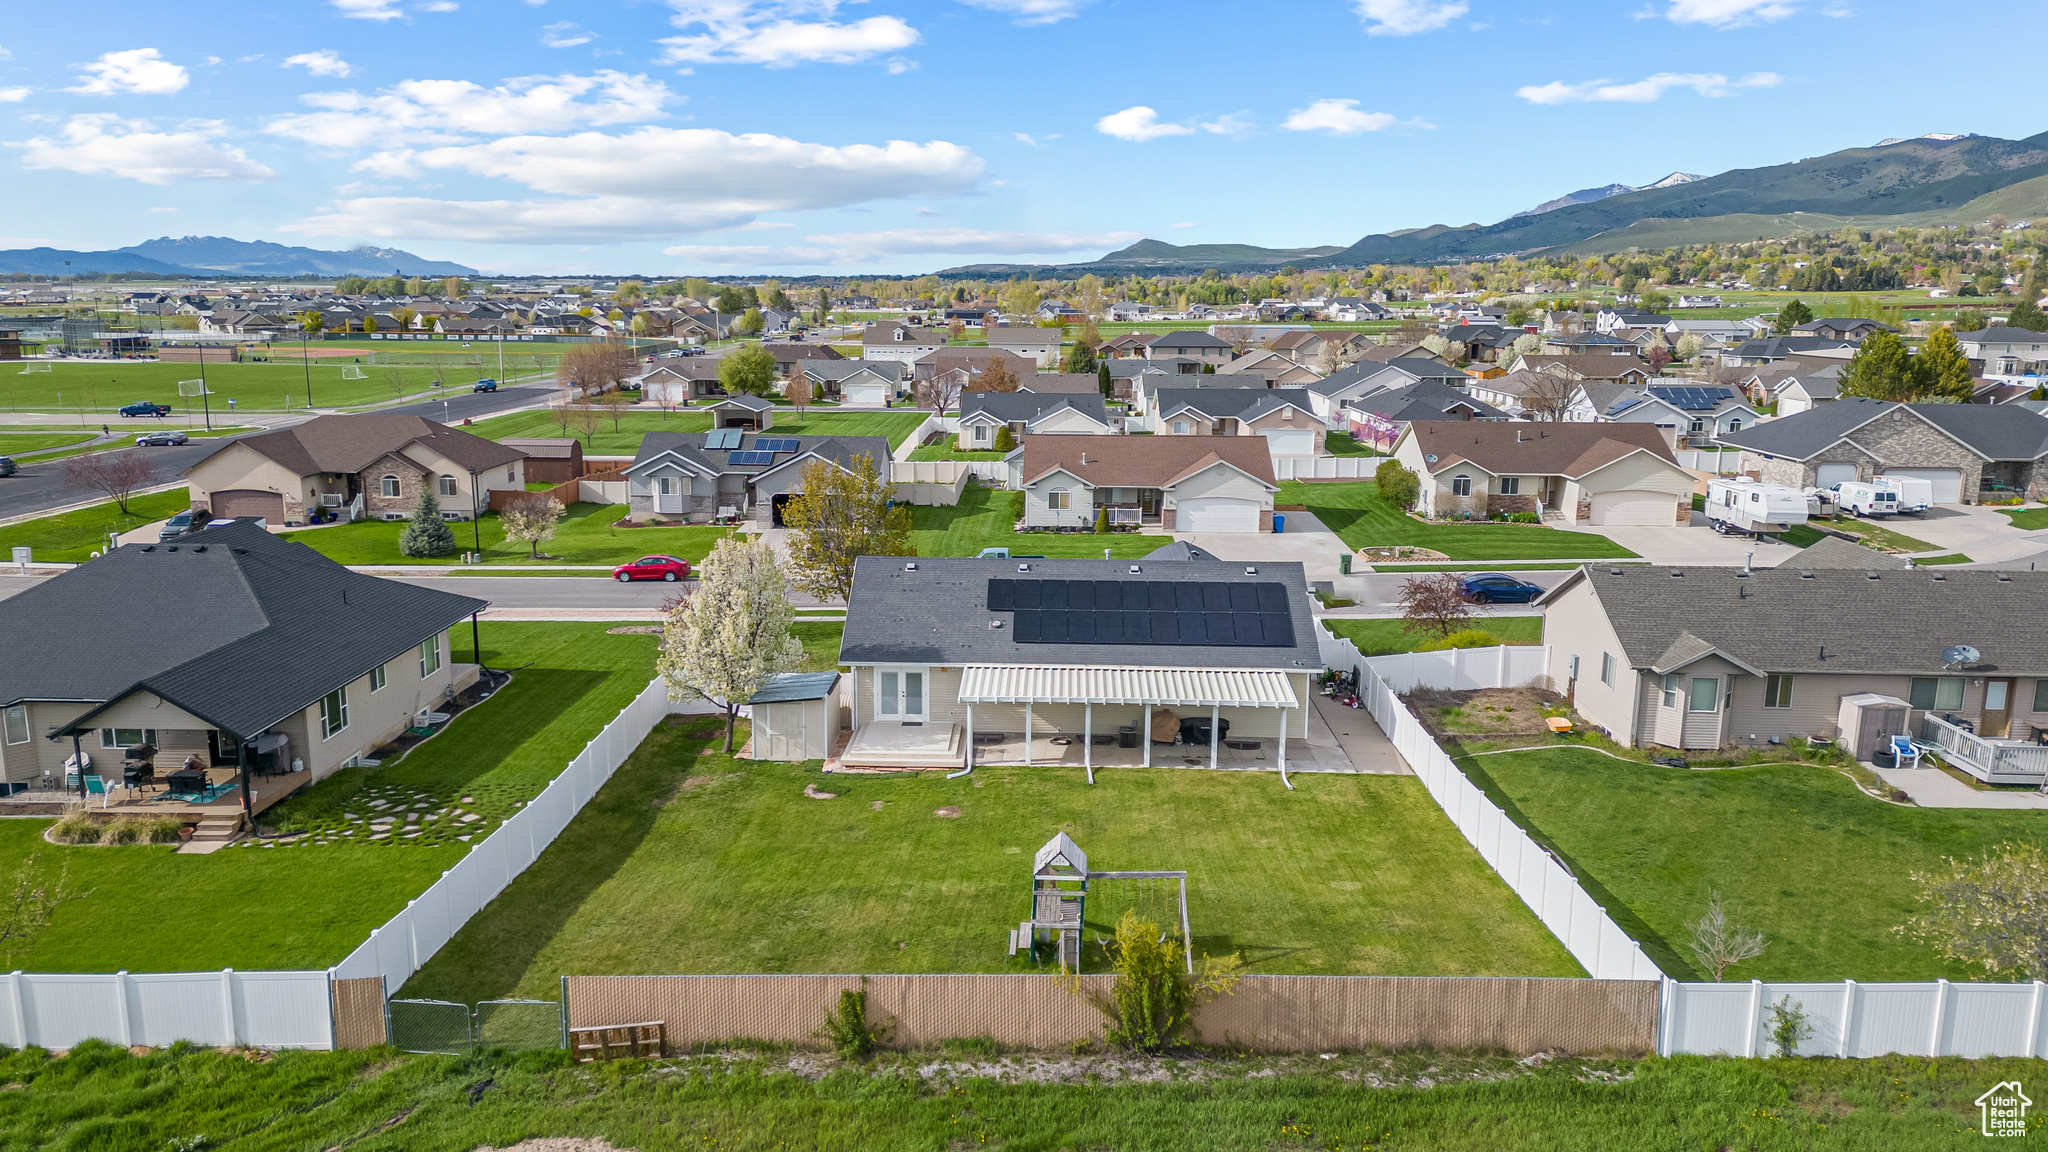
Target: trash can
[
  {"x": 1344, "y": 563},
  {"x": 1279, "y": 522},
  {"x": 1127, "y": 736}
]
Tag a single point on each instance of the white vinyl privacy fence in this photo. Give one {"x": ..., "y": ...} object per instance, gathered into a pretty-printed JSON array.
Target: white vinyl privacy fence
[
  {"x": 1325, "y": 467},
  {"x": 1851, "y": 1019}
]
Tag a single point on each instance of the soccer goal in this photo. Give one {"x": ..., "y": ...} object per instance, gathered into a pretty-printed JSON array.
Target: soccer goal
[
  {"x": 35, "y": 366},
  {"x": 193, "y": 388},
  {"x": 351, "y": 372}
]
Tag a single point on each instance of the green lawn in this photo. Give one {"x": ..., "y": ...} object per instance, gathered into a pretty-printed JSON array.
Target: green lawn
[
  {"x": 307, "y": 906},
  {"x": 1806, "y": 535},
  {"x": 688, "y": 861},
  {"x": 105, "y": 1098},
  {"x": 1341, "y": 444},
  {"x": 101, "y": 387},
  {"x": 1396, "y": 567},
  {"x": 1820, "y": 867},
  {"x": 1946, "y": 558},
  {"x": 2027, "y": 519},
  {"x": 22, "y": 443},
  {"x": 1355, "y": 512},
  {"x": 986, "y": 517},
  {"x": 585, "y": 536},
  {"x": 634, "y": 426},
  {"x": 951, "y": 450},
  {"x": 821, "y": 643},
  {"x": 1379, "y": 637},
  {"x": 73, "y": 537}
]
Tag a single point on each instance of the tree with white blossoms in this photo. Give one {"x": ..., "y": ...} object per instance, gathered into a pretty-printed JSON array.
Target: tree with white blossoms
[
  {"x": 1990, "y": 913},
  {"x": 726, "y": 640}
]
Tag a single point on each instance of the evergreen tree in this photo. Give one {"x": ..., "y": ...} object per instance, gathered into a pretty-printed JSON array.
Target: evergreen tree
[
  {"x": 1943, "y": 370},
  {"x": 1791, "y": 316},
  {"x": 2027, "y": 314},
  {"x": 1881, "y": 370},
  {"x": 1082, "y": 358},
  {"x": 427, "y": 534},
  {"x": 1102, "y": 378},
  {"x": 1004, "y": 441}
]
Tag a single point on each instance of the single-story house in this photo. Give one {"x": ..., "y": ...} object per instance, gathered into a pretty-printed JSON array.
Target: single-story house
[
  {"x": 789, "y": 354},
  {"x": 1068, "y": 383},
  {"x": 1851, "y": 329},
  {"x": 1005, "y": 658},
  {"x": 1030, "y": 413},
  {"x": 1039, "y": 345},
  {"x": 1598, "y": 474},
  {"x": 1180, "y": 483},
  {"x": 1186, "y": 345},
  {"x": 858, "y": 383},
  {"x": 969, "y": 363},
  {"x": 1310, "y": 347},
  {"x": 1553, "y": 395},
  {"x": 702, "y": 476},
  {"x": 1966, "y": 451},
  {"x": 373, "y": 464},
  {"x": 1693, "y": 414},
  {"x": 1645, "y": 654},
  {"x": 892, "y": 340},
  {"x": 550, "y": 459},
  {"x": 1273, "y": 367},
  {"x": 677, "y": 382},
  {"x": 1282, "y": 415},
  {"x": 264, "y": 648},
  {"x": 1626, "y": 369},
  {"x": 1378, "y": 417},
  {"x": 1807, "y": 388},
  {"x": 1764, "y": 349}
]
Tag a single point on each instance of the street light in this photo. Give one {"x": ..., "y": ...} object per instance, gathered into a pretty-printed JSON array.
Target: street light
[{"x": 308, "y": 364}]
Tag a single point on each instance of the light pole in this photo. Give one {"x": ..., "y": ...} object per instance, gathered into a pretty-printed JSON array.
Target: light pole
[
  {"x": 308, "y": 364},
  {"x": 205, "y": 404}
]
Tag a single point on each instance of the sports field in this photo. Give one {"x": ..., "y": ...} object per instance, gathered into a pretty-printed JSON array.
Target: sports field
[{"x": 99, "y": 387}]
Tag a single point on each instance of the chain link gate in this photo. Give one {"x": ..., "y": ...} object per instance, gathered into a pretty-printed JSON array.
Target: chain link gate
[{"x": 454, "y": 1029}]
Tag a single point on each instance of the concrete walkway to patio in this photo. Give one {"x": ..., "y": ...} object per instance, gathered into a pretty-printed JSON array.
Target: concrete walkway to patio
[{"x": 1933, "y": 788}]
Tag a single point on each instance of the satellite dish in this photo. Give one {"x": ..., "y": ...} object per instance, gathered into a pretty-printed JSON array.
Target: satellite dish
[{"x": 1959, "y": 654}]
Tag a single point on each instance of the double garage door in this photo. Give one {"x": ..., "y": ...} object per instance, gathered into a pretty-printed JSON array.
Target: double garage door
[
  {"x": 1637, "y": 508},
  {"x": 1216, "y": 514},
  {"x": 1948, "y": 482}
]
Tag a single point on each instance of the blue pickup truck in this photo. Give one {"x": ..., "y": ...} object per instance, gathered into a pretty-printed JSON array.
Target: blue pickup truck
[{"x": 145, "y": 408}]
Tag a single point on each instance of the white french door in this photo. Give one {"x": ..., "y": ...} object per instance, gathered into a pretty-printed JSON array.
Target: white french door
[{"x": 900, "y": 695}]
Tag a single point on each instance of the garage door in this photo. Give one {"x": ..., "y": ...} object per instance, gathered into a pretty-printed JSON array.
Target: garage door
[
  {"x": 1653, "y": 509},
  {"x": 1217, "y": 514},
  {"x": 1829, "y": 475},
  {"x": 245, "y": 502},
  {"x": 1948, "y": 482},
  {"x": 1291, "y": 442}
]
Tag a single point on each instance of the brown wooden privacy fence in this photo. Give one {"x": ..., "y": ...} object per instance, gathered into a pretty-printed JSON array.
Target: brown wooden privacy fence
[
  {"x": 358, "y": 1007},
  {"x": 568, "y": 491},
  {"x": 1276, "y": 1013}
]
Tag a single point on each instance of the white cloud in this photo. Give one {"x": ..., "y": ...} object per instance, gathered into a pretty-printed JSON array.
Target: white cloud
[
  {"x": 368, "y": 9},
  {"x": 1231, "y": 124},
  {"x": 1729, "y": 13},
  {"x": 777, "y": 34},
  {"x": 765, "y": 225},
  {"x": 1407, "y": 17},
  {"x": 444, "y": 111},
  {"x": 322, "y": 63},
  {"x": 1021, "y": 137},
  {"x": 1139, "y": 123},
  {"x": 1185, "y": 224},
  {"x": 897, "y": 65},
  {"x": 1337, "y": 117},
  {"x": 139, "y": 71},
  {"x": 652, "y": 182},
  {"x": 14, "y": 95},
  {"x": 438, "y": 5},
  {"x": 102, "y": 144},
  {"x": 1643, "y": 91},
  {"x": 1030, "y": 12},
  {"x": 760, "y": 255},
  {"x": 565, "y": 35}
]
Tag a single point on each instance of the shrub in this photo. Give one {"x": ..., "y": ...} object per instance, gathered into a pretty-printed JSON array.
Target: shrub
[
  {"x": 1398, "y": 486},
  {"x": 164, "y": 830},
  {"x": 1004, "y": 441},
  {"x": 1469, "y": 638},
  {"x": 426, "y": 534},
  {"x": 1102, "y": 519},
  {"x": 126, "y": 830},
  {"x": 1153, "y": 996},
  {"x": 75, "y": 827},
  {"x": 847, "y": 1025},
  {"x": 1524, "y": 518}
]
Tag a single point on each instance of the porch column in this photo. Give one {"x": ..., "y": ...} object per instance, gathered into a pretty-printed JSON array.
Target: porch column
[
  {"x": 1027, "y": 733},
  {"x": 78, "y": 765},
  {"x": 1214, "y": 712},
  {"x": 970, "y": 735},
  {"x": 1283, "y": 743},
  {"x": 1088, "y": 739},
  {"x": 245, "y": 750},
  {"x": 1146, "y": 736}
]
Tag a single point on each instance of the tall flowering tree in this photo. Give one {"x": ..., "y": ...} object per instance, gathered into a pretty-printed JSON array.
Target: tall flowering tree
[{"x": 726, "y": 640}]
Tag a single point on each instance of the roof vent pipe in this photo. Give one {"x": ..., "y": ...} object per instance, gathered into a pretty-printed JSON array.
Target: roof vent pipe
[{"x": 1748, "y": 558}]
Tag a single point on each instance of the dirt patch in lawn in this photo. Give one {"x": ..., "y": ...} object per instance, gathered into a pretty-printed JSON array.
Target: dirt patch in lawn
[{"x": 1487, "y": 712}]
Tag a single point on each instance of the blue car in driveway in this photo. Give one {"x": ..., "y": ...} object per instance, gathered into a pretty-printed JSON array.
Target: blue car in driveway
[{"x": 1498, "y": 588}]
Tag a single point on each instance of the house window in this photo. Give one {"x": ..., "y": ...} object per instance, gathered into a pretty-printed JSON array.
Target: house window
[
  {"x": 390, "y": 485},
  {"x": 377, "y": 678},
  {"x": 1058, "y": 500},
  {"x": 1706, "y": 694},
  {"x": 1461, "y": 485},
  {"x": 333, "y": 712},
  {"x": 125, "y": 737},
  {"x": 981, "y": 433},
  {"x": 1607, "y": 669},
  {"x": 1777, "y": 691},
  {"x": 1673, "y": 683},
  {"x": 1180, "y": 427},
  {"x": 17, "y": 724},
  {"x": 1511, "y": 485},
  {"x": 2040, "y": 697},
  {"x": 1698, "y": 425},
  {"x": 430, "y": 656},
  {"x": 1938, "y": 693},
  {"x": 1735, "y": 425},
  {"x": 447, "y": 485},
  {"x": 508, "y": 475}
]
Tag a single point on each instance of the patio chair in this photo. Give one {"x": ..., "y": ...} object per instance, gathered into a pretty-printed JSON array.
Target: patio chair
[
  {"x": 1905, "y": 753},
  {"x": 96, "y": 786}
]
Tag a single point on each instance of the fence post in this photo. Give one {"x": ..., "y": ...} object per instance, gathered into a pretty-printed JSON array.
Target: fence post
[
  {"x": 2034, "y": 1022},
  {"x": 1756, "y": 997},
  {"x": 21, "y": 1008},
  {"x": 1940, "y": 1010},
  {"x": 1667, "y": 1007},
  {"x": 121, "y": 999},
  {"x": 1848, "y": 1015},
  {"x": 412, "y": 936},
  {"x": 227, "y": 1005},
  {"x": 565, "y": 1010}
]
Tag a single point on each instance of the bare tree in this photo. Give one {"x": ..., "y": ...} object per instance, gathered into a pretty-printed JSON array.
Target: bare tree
[
  {"x": 998, "y": 377},
  {"x": 798, "y": 390},
  {"x": 596, "y": 368},
  {"x": 939, "y": 392},
  {"x": 562, "y": 411},
  {"x": 1434, "y": 603},
  {"x": 1550, "y": 397},
  {"x": 1240, "y": 337},
  {"x": 531, "y": 519},
  {"x": 1719, "y": 943},
  {"x": 116, "y": 474},
  {"x": 614, "y": 405},
  {"x": 670, "y": 395},
  {"x": 588, "y": 417},
  {"x": 29, "y": 904}
]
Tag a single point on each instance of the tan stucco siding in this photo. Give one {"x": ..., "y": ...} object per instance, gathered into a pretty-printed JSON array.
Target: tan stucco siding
[
  {"x": 1221, "y": 481},
  {"x": 238, "y": 467},
  {"x": 1640, "y": 472}
]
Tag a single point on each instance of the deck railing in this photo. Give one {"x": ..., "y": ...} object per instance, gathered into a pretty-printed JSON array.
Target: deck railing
[{"x": 1992, "y": 761}]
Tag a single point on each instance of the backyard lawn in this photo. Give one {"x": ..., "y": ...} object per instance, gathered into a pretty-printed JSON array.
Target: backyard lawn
[
  {"x": 1355, "y": 512},
  {"x": 1379, "y": 637},
  {"x": 306, "y": 906},
  {"x": 585, "y": 536},
  {"x": 689, "y": 861},
  {"x": 72, "y": 537},
  {"x": 821, "y": 643},
  {"x": 635, "y": 425},
  {"x": 1342, "y": 444},
  {"x": 951, "y": 450},
  {"x": 1820, "y": 867},
  {"x": 986, "y": 518}
]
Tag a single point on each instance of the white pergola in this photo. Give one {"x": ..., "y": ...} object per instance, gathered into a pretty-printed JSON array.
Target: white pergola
[{"x": 1087, "y": 685}]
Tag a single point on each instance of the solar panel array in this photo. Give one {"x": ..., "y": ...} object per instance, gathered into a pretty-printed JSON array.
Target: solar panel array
[
  {"x": 1211, "y": 613},
  {"x": 723, "y": 438},
  {"x": 784, "y": 445},
  {"x": 1692, "y": 399},
  {"x": 751, "y": 456}
]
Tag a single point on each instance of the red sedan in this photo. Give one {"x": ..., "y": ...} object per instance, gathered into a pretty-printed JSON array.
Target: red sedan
[{"x": 653, "y": 568}]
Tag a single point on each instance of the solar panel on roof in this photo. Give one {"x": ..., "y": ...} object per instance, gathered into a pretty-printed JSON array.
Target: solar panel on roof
[
  {"x": 722, "y": 438},
  {"x": 1211, "y": 613},
  {"x": 779, "y": 445},
  {"x": 750, "y": 457}
]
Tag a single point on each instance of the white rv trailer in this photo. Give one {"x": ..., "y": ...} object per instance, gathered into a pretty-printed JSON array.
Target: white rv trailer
[
  {"x": 1753, "y": 506},
  {"x": 1915, "y": 494}
]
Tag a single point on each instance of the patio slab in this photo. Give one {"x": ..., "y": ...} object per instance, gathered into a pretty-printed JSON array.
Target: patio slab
[{"x": 1933, "y": 788}]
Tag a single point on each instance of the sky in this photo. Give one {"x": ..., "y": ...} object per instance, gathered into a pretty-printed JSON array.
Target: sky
[{"x": 718, "y": 137}]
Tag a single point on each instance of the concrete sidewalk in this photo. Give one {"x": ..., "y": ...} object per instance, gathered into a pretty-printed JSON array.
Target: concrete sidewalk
[{"x": 1933, "y": 788}]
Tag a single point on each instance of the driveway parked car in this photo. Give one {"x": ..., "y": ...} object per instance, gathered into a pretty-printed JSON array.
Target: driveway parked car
[
  {"x": 1498, "y": 588},
  {"x": 653, "y": 568},
  {"x": 485, "y": 385},
  {"x": 160, "y": 439},
  {"x": 180, "y": 524},
  {"x": 144, "y": 408}
]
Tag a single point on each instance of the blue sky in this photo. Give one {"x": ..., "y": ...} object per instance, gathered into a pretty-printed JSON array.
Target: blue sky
[{"x": 719, "y": 136}]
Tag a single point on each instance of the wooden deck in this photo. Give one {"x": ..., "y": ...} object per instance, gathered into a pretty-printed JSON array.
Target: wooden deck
[{"x": 149, "y": 800}]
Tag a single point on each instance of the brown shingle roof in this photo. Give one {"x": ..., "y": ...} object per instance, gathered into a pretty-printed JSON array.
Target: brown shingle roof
[
  {"x": 1534, "y": 448},
  {"x": 1588, "y": 366},
  {"x": 1072, "y": 383},
  {"x": 352, "y": 443},
  {"x": 1143, "y": 461}
]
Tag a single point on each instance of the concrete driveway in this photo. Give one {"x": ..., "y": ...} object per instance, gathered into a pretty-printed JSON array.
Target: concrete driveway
[
  {"x": 1983, "y": 534},
  {"x": 1306, "y": 541},
  {"x": 1695, "y": 544}
]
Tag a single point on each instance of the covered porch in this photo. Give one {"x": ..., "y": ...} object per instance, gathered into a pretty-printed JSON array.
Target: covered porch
[
  {"x": 1131, "y": 505},
  {"x": 1993, "y": 760},
  {"x": 189, "y": 774}
]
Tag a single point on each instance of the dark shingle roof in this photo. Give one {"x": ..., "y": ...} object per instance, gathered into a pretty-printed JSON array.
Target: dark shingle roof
[
  {"x": 1423, "y": 400},
  {"x": 1187, "y": 339},
  {"x": 1996, "y": 432},
  {"x": 690, "y": 446},
  {"x": 1241, "y": 403},
  {"x": 1009, "y": 406},
  {"x": 250, "y": 628}
]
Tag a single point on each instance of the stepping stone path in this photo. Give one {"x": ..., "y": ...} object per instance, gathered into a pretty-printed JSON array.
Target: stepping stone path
[{"x": 402, "y": 814}]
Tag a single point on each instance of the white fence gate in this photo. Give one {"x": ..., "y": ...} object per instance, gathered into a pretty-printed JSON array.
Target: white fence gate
[
  {"x": 1849, "y": 1019},
  {"x": 1326, "y": 467}
]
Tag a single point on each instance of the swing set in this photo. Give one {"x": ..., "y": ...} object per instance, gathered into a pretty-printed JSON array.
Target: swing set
[{"x": 1060, "y": 884}]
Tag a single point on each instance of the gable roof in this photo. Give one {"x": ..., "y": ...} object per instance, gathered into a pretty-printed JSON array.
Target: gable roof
[
  {"x": 1533, "y": 449},
  {"x": 1995, "y": 432},
  {"x": 1143, "y": 461},
  {"x": 353, "y": 443},
  {"x": 1424, "y": 400},
  {"x": 1187, "y": 339},
  {"x": 1070, "y": 383},
  {"x": 264, "y": 626},
  {"x": 688, "y": 447},
  {"x": 1030, "y": 406},
  {"x": 744, "y": 400},
  {"x": 892, "y": 334},
  {"x": 1237, "y": 403},
  {"x": 1023, "y": 337},
  {"x": 843, "y": 370},
  {"x": 1590, "y": 366}
]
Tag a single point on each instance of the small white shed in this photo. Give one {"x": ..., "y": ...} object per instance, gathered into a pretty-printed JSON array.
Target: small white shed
[
  {"x": 795, "y": 717},
  {"x": 1869, "y": 721}
]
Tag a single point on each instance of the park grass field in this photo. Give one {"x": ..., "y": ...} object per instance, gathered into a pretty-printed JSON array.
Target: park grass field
[
  {"x": 149, "y": 910},
  {"x": 99, "y": 387},
  {"x": 1355, "y": 512},
  {"x": 72, "y": 537},
  {"x": 1381, "y": 636},
  {"x": 23, "y": 443},
  {"x": 1803, "y": 855},
  {"x": 622, "y": 437},
  {"x": 987, "y": 518},
  {"x": 692, "y": 861},
  {"x": 585, "y": 535}
]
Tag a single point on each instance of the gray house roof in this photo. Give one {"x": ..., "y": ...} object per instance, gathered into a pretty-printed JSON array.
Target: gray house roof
[
  {"x": 254, "y": 627},
  {"x": 1028, "y": 406},
  {"x": 1789, "y": 621},
  {"x": 939, "y": 614},
  {"x": 1835, "y": 552},
  {"x": 1237, "y": 403},
  {"x": 689, "y": 446},
  {"x": 1424, "y": 400},
  {"x": 843, "y": 370},
  {"x": 1993, "y": 431},
  {"x": 1186, "y": 339}
]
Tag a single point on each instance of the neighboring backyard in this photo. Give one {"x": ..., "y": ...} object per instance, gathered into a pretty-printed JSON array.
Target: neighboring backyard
[
  {"x": 1822, "y": 868},
  {"x": 987, "y": 517},
  {"x": 72, "y": 537},
  {"x": 586, "y": 534},
  {"x": 1355, "y": 512},
  {"x": 949, "y": 449},
  {"x": 1380, "y": 637},
  {"x": 306, "y": 905},
  {"x": 691, "y": 861},
  {"x": 635, "y": 424}
]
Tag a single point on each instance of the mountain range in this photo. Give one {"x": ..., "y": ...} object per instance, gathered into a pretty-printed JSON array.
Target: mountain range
[
  {"x": 1588, "y": 195},
  {"x": 207, "y": 256}
]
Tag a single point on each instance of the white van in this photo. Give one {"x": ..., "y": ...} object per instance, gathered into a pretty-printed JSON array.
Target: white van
[
  {"x": 1737, "y": 506},
  {"x": 1866, "y": 499},
  {"x": 1915, "y": 494}
]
